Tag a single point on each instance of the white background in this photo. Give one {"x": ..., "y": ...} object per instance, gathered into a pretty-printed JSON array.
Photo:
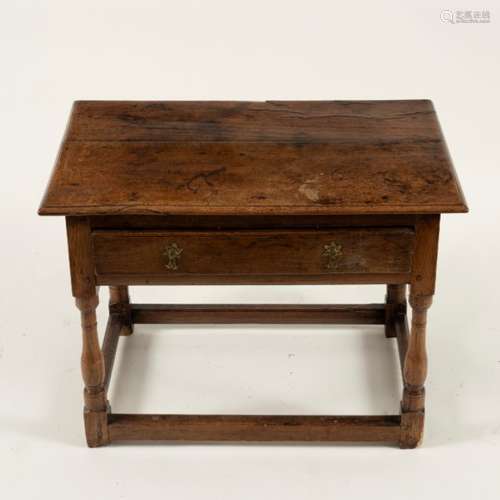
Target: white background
[{"x": 54, "y": 52}]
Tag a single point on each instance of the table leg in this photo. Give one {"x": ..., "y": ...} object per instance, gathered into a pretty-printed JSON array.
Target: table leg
[
  {"x": 85, "y": 292},
  {"x": 395, "y": 305},
  {"x": 415, "y": 360},
  {"x": 119, "y": 303},
  {"x": 415, "y": 373},
  {"x": 92, "y": 364}
]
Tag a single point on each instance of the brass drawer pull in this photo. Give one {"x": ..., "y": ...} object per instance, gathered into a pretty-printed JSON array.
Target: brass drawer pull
[
  {"x": 332, "y": 251},
  {"x": 172, "y": 254}
]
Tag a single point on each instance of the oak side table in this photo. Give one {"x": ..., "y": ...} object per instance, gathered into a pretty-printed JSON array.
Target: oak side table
[{"x": 333, "y": 192}]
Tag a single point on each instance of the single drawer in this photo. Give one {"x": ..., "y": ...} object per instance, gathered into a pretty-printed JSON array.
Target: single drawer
[{"x": 158, "y": 255}]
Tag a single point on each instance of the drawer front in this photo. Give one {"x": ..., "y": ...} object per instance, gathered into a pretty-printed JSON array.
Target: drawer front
[{"x": 253, "y": 253}]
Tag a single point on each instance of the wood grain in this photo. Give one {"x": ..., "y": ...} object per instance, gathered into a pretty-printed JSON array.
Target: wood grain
[
  {"x": 80, "y": 254},
  {"x": 402, "y": 336},
  {"x": 119, "y": 305},
  {"x": 302, "y": 122},
  {"x": 93, "y": 373},
  {"x": 236, "y": 279},
  {"x": 345, "y": 314},
  {"x": 239, "y": 222},
  {"x": 261, "y": 253},
  {"x": 425, "y": 257},
  {"x": 415, "y": 364},
  {"x": 395, "y": 308},
  {"x": 253, "y": 193},
  {"x": 124, "y": 427},
  {"x": 109, "y": 345},
  {"x": 253, "y": 158}
]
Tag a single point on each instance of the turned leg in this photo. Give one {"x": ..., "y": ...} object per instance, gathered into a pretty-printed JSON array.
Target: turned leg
[
  {"x": 119, "y": 304},
  {"x": 92, "y": 364},
  {"x": 415, "y": 359},
  {"x": 84, "y": 290},
  {"x": 415, "y": 373},
  {"x": 395, "y": 305}
]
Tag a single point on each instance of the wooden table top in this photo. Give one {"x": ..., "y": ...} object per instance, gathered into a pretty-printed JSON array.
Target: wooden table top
[{"x": 266, "y": 158}]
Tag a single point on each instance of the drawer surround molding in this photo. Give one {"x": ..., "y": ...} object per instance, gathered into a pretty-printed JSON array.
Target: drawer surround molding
[{"x": 250, "y": 253}]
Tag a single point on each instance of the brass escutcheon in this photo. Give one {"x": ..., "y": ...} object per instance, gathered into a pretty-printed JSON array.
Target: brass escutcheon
[
  {"x": 172, "y": 253},
  {"x": 332, "y": 251}
]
